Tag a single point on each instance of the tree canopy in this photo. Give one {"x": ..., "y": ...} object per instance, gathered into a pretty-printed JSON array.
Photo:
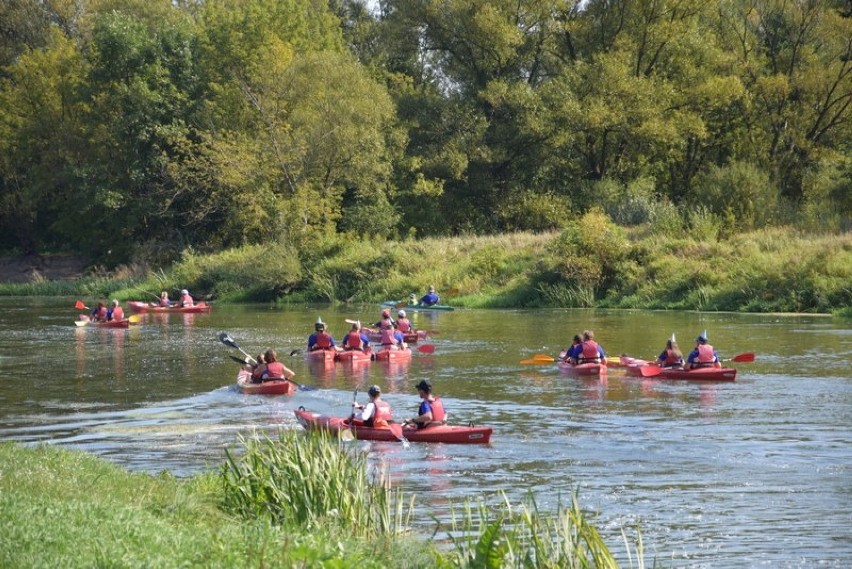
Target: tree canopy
[{"x": 133, "y": 129}]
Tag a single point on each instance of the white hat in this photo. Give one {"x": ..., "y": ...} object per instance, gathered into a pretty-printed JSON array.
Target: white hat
[
  {"x": 401, "y": 313},
  {"x": 184, "y": 291},
  {"x": 319, "y": 320}
]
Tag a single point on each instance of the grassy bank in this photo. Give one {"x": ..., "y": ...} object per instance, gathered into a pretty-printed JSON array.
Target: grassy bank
[
  {"x": 298, "y": 501},
  {"x": 591, "y": 263}
]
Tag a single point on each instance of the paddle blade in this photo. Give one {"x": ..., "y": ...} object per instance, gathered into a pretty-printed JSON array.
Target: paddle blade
[
  {"x": 426, "y": 348},
  {"x": 80, "y": 323},
  {"x": 539, "y": 359},
  {"x": 396, "y": 429},
  {"x": 650, "y": 370},
  {"x": 236, "y": 359},
  {"x": 135, "y": 318},
  {"x": 80, "y": 306},
  {"x": 227, "y": 340},
  {"x": 743, "y": 358},
  {"x": 295, "y": 352}
]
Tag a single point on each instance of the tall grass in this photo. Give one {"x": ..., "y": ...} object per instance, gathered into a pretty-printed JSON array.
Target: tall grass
[
  {"x": 507, "y": 537},
  {"x": 311, "y": 480}
]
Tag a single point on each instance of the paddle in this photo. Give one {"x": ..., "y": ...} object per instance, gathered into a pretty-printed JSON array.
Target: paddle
[
  {"x": 80, "y": 306},
  {"x": 426, "y": 348},
  {"x": 746, "y": 357},
  {"x": 396, "y": 430},
  {"x": 228, "y": 341},
  {"x": 539, "y": 359},
  {"x": 146, "y": 292}
]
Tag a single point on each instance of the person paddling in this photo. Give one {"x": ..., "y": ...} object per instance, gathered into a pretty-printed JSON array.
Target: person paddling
[
  {"x": 671, "y": 356},
  {"x": 377, "y": 413},
  {"x": 431, "y": 411},
  {"x": 704, "y": 355},
  {"x": 573, "y": 351},
  {"x": 164, "y": 301},
  {"x": 185, "y": 299},
  {"x": 431, "y": 298},
  {"x": 356, "y": 339},
  {"x": 115, "y": 312},
  {"x": 99, "y": 314},
  {"x": 320, "y": 339},
  {"x": 590, "y": 351},
  {"x": 272, "y": 369},
  {"x": 403, "y": 324}
]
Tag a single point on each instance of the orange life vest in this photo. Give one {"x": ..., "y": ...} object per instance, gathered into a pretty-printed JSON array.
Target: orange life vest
[
  {"x": 590, "y": 352},
  {"x": 353, "y": 341},
  {"x": 323, "y": 341}
]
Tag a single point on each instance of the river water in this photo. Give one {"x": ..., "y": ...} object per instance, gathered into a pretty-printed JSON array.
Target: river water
[{"x": 745, "y": 474}]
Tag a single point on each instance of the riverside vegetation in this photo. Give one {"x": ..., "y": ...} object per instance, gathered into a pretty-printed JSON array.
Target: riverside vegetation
[
  {"x": 298, "y": 500},
  {"x": 592, "y": 262}
]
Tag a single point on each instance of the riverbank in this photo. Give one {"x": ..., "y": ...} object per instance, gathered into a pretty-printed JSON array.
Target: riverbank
[
  {"x": 591, "y": 263},
  {"x": 301, "y": 501}
]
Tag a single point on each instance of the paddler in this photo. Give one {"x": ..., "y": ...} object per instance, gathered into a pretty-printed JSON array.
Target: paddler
[
  {"x": 115, "y": 312},
  {"x": 185, "y": 299},
  {"x": 320, "y": 339},
  {"x": 377, "y": 413},
  {"x": 356, "y": 339},
  {"x": 590, "y": 351},
  {"x": 403, "y": 324},
  {"x": 671, "y": 356},
  {"x": 431, "y": 298},
  {"x": 704, "y": 355},
  {"x": 431, "y": 411},
  {"x": 272, "y": 369}
]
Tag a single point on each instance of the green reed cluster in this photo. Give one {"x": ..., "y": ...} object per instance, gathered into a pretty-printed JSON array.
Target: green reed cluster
[
  {"x": 312, "y": 480},
  {"x": 506, "y": 537}
]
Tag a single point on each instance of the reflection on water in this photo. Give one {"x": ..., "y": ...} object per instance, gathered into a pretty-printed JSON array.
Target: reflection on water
[{"x": 754, "y": 472}]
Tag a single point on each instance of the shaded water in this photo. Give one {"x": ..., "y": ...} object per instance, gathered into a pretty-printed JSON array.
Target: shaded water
[{"x": 744, "y": 474}]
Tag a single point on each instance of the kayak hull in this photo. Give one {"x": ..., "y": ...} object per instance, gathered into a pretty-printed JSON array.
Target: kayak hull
[
  {"x": 634, "y": 368},
  {"x": 417, "y": 307},
  {"x": 85, "y": 321},
  {"x": 392, "y": 356},
  {"x": 326, "y": 356},
  {"x": 353, "y": 357},
  {"x": 448, "y": 434},
  {"x": 582, "y": 370},
  {"x": 273, "y": 387},
  {"x": 143, "y": 307}
]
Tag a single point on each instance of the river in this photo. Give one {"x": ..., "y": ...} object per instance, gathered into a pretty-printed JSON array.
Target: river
[{"x": 750, "y": 473}]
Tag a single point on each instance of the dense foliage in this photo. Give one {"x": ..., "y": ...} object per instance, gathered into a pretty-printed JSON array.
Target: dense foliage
[{"x": 130, "y": 131}]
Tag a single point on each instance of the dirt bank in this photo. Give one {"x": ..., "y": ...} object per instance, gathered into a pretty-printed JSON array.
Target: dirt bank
[{"x": 37, "y": 268}]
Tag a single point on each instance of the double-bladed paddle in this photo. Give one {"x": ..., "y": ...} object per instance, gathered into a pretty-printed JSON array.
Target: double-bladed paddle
[
  {"x": 226, "y": 339},
  {"x": 746, "y": 357}
]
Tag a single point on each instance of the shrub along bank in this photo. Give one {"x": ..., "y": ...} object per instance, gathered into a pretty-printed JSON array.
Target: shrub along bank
[{"x": 592, "y": 262}]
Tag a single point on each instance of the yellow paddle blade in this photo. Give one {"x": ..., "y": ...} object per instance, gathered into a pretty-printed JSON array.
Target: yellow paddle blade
[
  {"x": 135, "y": 318},
  {"x": 539, "y": 359},
  {"x": 79, "y": 323}
]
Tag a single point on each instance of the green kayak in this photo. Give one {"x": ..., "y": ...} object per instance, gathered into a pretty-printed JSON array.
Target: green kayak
[{"x": 415, "y": 307}]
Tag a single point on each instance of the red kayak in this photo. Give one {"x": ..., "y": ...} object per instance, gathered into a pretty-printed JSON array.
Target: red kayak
[
  {"x": 409, "y": 338},
  {"x": 353, "y": 356},
  {"x": 392, "y": 355},
  {"x": 86, "y": 321},
  {"x": 143, "y": 307},
  {"x": 271, "y": 387},
  {"x": 451, "y": 434},
  {"x": 641, "y": 368},
  {"x": 582, "y": 370},
  {"x": 325, "y": 356}
]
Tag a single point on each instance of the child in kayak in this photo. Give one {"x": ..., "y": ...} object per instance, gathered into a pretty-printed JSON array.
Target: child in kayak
[
  {"x": 571, "y": 353},
  {"x": 704, "y": 355}
]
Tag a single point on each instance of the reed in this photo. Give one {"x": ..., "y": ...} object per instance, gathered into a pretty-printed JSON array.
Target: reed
[
  {"x": 503, "y": 536},
  {"x": 312, "y": 480}
]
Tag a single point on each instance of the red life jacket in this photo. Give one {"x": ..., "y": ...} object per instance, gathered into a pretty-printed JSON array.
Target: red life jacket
[
  {"x": 274, "y": 370},
  {"x": 353, "y": 341},
  {"x": 164, "y": 302},
  {"x": 438, "y": 413},
  {"x": 100, "y": 313},
  {"x": 381, "y": 415},
  {"x": 323, "y": 341},
  {"x": 590, "y": 352},
  {"x": 671, "y": 359},
  {"x": 403, "y": 325},
  {"x": 118, "y": 313},
  {"x": 186, "y": 300},
  {"x": 705, "y": 354},
  {"x": 386, "y": 324},
  {"x": 387, "y": 338}
]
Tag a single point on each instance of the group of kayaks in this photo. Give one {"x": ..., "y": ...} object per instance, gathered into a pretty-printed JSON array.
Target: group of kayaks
[
  {"x": 331, "y": 356},
  {"x": 139, "y": 307},
  {"x": 634, "y": 367}
]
